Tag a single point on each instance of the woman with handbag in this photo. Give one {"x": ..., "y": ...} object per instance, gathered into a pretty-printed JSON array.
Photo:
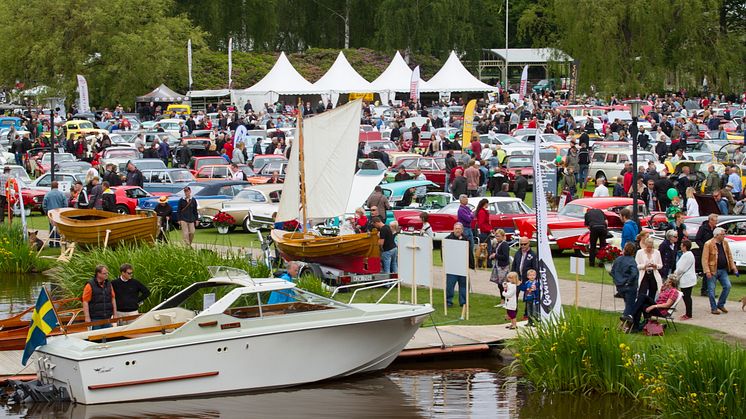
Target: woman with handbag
[{"x": 501, "y": 266}]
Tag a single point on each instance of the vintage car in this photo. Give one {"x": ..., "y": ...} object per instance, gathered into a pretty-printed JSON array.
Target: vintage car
[
  {"x": 434, "y": 169},
  {"x": 260, "y": 160},
  {"x": 166, "y": 180},
  {"x": 66, "y": 180},
  {"x": 205, "y": 193},
  {"x": 44, "y": 163},
  {"x": 566, "y": 226},
  {"x": 196, "y": 163},
  {"x": 504, "y": 213},
  {"x": 222, "y": 172},
  {"x": 77, "y": 127},
  {"x": 72, "y": 166},
  {"x": 253, "y": 208},
  {"x": 608, "y": 163},
  {"x": 116, "y": 155},
  {"x": 127, "y": 198}
]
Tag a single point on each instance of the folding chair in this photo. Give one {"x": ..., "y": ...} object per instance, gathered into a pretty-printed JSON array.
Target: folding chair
[{"x": 671, "y": 311}]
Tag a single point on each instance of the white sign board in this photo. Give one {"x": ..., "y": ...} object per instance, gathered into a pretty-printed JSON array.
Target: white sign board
[
  {"x": 415, "y": 259},
  {"x": 455, "y": 257},
  {"x": 577, "y": 265},
  {"x": 207, "y": 301}
]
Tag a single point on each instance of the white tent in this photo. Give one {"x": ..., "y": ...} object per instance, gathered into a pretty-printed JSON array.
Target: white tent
[
  {"x": 454, "y": 77},
  {"x": 396, "y": 78},
  {"x": 282, "y": 79},
  {"x": 341, "y": 78}
]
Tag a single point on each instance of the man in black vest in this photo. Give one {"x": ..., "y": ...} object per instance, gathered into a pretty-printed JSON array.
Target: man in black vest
[{"x": 99, "y": 302}]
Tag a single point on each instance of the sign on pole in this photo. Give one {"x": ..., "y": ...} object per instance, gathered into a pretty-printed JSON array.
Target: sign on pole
[
  {"x": 416, "y": 262},
  {"x": 456, "y": 262},
  {"x": 189, "y": 62},
  {"x": 524, "y": 82},
  {"x": 414, "y": 84},
  {"x": 83, "y": 105},
  {"x": 230, "y": 62}
]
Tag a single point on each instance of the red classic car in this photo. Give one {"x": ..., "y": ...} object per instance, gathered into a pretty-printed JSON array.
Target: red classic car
[
  {"x": 33, "y": 198},
  {"x": 568, "y": 225},
  {"x": 503, "y": 213},
  {"x": 127, "y": 197},
  {"x": 432, "y": 167}
]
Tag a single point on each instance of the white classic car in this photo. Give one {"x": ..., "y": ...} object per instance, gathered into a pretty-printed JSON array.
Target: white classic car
[{"x": 253, "y": 208}]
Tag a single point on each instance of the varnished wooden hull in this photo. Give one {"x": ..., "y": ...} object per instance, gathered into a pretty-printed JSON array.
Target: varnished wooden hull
[
  {"x": 13, "y": 340},
  {"x": 353, "y": 253},
  {"x": 89, "y": 226}
]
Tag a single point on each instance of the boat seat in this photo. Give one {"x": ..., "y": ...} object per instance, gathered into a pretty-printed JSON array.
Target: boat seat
[{"x": 165, "y": 318}]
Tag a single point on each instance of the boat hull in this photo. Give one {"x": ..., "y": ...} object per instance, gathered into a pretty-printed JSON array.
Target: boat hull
[
  {"x": 237, "y": 362},
  {"x": 358, "y": 253},
  {"x": 90, "y": 226}
]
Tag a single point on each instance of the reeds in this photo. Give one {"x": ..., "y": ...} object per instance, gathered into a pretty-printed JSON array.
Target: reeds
[
  {"x": 15, "y": 254},
  {"x": 582, "y": 353},
  {"x": 164, "y": 268}
]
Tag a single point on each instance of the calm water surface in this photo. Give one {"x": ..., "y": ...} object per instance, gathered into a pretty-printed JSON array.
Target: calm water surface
[{"x": 446, "y": 389}]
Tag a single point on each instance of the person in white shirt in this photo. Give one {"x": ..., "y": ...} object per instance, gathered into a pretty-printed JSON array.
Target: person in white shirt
[
  {"x": 237, "y": 174},
  {"x": 692, "y": 207},
  {"x": 601, "y": 189}
]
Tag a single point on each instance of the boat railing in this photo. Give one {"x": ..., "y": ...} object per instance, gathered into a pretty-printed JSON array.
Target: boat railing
[{"x": 390, "y": 284}]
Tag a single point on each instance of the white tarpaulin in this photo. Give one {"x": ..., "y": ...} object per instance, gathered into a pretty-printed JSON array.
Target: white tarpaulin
[
  {"x": 283, "y": 79},
  {"x": 363, "y": 184},
  {"x": 395, "y": 78},
  {"x": 454, "y": 77},
  {"x": 455, "y": 257},
  {"x": 330, "y": 142},
  {"x": 415, "y": 259},
  {"x": 341, "y": 78}
]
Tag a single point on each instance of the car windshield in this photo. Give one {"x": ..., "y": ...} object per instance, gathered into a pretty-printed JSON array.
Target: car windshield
[
  {"x": 181, "y": 176},
  {"x": 261, "y": 161},
  {"x": 573, "y": 210},
  {"x": 381, "y": 145},
  {"x": 85, "y": 125},
  {"x": 512, "y": 207},
  {"x": 58, "y": 158},
  {"x": 123, "y": 153},
  {"x": 551, "y": 138},
  {"x": 452, "y": 208},
  {"x": 645, "y": 157},
  {"x": 211, "y": 160},
  {"x": 507, "y": 139},
  {"x": 519, "y": 162},
  {"x": 195, "y": 190}
]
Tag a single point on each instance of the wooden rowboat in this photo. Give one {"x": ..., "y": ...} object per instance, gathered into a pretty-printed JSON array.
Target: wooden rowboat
[
  {"x": 21, "y": 319},
  {"x": 351, "y": 252},
  {"x": 90, "y": 226}
]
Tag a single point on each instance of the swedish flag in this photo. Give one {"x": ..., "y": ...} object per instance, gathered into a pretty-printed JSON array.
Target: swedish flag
[{"x": 43, "y": 321}]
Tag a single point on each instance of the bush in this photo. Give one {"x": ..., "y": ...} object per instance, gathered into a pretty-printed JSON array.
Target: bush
[
  {"x": 164, "y": 268},
  {"x": 581, "y": 354},
  {"x": 15, "y": 254}
]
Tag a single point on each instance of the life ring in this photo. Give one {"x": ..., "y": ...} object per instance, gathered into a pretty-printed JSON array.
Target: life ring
[{"x": 12, "y": 191}]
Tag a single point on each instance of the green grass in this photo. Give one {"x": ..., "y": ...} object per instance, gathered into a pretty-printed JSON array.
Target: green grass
[
  {"x": 237, "y": 238},
  {"x": 689, "y": 373}
]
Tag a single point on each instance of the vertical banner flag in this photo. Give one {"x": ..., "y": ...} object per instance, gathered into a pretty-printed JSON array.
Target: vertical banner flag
[
  {"x": 524, "y": 82},
  {"x": 83, "y": 105},
  {"x": 547, "y": 274},
  {"x": 414, "y": 84},
  {"x": 230, "y": 62},
  {"x": 468, "y": 124},
  {"x": 189, "y": 62}
]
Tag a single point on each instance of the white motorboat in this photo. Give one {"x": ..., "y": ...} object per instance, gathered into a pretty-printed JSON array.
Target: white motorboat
[{"x": 237, "y": 342}]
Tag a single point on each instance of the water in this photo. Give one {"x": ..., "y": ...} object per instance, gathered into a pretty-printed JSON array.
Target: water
[{"x": 473, "y": 388}]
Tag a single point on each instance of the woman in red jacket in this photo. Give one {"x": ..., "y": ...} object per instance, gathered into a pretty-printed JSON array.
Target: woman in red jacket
[{"x": 482, "y": 219}]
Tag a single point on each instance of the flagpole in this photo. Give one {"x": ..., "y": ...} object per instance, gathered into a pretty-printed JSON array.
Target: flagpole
[{"x": 51, "y": 301}]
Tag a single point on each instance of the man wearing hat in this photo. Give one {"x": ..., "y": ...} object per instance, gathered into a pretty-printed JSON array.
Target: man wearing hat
[
  {"x": 187, "y": 215},
  {"x": 163, "y": 211}
]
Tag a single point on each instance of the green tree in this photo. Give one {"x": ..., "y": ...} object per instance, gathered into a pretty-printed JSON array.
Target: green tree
[{"x": 123, "y": 48}]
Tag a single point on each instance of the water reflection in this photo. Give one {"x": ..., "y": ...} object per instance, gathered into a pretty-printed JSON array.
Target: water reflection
[{"x": 18, "y": 292}]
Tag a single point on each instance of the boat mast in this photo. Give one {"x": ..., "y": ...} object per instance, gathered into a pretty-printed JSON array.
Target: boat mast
[{"x": 301, "y": 165}]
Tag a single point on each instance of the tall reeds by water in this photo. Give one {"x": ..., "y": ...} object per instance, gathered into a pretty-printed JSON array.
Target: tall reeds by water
[
  {"x": 582, "y": 353},
  {"x": 15, "y": 254},
  {"x": 164, "y": 268}
]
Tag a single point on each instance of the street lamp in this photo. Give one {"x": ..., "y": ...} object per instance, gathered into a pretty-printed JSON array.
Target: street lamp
[{"x": 634, "y": 108}]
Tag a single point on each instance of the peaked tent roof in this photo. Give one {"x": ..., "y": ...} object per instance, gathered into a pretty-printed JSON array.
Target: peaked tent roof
[
  {"x": 396, "y": 77},
  {"x": 532, "y": 55},
  {"x": 162, "y": 93},
  {"x": 454, "y": 77},
  {"x": 283, "y": 79},
  {"x": 341, "y": 77}
]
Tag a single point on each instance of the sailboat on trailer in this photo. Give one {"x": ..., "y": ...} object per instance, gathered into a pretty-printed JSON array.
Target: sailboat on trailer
[{"x": 318, "y": 182}]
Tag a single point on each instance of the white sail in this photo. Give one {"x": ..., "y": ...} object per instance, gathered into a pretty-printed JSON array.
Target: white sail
[
  {"x": 289, "y": 208},
  {"x": 330, "y": 142}
]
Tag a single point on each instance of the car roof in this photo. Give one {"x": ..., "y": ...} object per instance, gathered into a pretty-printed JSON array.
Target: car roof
[
  {"x": 266, "y": 188},
  {"x": 611, "y": 201},
  {"x": 491, "y": 199}
]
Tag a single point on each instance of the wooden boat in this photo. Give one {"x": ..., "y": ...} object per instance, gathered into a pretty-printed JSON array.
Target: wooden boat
[
  {"x": 90, "y": 226},
  {"x": 318, "y": 184},
  {"x": 22, "y": 319}
]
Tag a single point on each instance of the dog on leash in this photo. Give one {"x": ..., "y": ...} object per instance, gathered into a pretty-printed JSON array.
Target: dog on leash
[
  {"x": 34, "y": 241},
  {"x": 480, "y": 255}
]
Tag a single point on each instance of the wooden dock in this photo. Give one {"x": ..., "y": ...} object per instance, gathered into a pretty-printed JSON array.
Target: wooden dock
[{"x": 445, "y": 340}]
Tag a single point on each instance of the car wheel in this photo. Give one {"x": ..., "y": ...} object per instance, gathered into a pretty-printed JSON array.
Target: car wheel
[
  {"x": 582, "y": 253},
  {"x": 203, "y": 224},
  {"x": 602, "y": 175},
  {"x": 122, "y": 209},
  {"x": 247, "y": 227}
]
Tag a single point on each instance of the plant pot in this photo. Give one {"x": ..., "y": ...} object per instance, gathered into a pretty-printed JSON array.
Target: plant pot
[
  {"x": 223, "y": 229},
  {"x": 608, "y": 266}
]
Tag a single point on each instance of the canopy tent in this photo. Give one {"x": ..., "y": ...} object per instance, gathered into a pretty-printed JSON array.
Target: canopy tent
[
  {"x": 282, "y": 79},
  {"x": 454, "y": 77},
  {"x": 396, "y": 78},
  {"x": 341, "y": 78},
  {"x": 162, "y": 94}
]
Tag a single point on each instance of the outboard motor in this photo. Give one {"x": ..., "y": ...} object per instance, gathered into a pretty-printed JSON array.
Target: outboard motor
[{"x": 37, "y": 392}]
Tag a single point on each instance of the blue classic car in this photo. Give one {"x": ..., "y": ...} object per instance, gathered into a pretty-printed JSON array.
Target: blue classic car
[
  {"x": 166, "y": 180},
  {"x": 205, "y": 193}
]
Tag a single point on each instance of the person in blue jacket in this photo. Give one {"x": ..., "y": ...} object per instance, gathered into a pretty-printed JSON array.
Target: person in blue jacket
[
  {"x": 285, "y": 296},
  {"x": 629, "y": 230}
]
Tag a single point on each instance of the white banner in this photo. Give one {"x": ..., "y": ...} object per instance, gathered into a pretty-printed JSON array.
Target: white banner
[
  {"x": 230, "y": 62},
  {"x": 189, "y": 62},
  {"x": 240, "y": 135},
  {"x": 455, "y": 257},
  {"x": 524, "y": 82},
  {"x": 83, "y": 103},
  {"x": 551, "y": 304},
  {"x": 415, "y": 259},
  {"x": 414, "y": 84}
]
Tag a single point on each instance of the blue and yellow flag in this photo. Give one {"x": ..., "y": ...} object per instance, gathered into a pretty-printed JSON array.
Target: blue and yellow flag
[{"x": 43, "y": 321}]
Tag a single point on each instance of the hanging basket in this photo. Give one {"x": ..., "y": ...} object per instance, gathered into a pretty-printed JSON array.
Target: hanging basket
[{"x": 223, "y": 229}]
